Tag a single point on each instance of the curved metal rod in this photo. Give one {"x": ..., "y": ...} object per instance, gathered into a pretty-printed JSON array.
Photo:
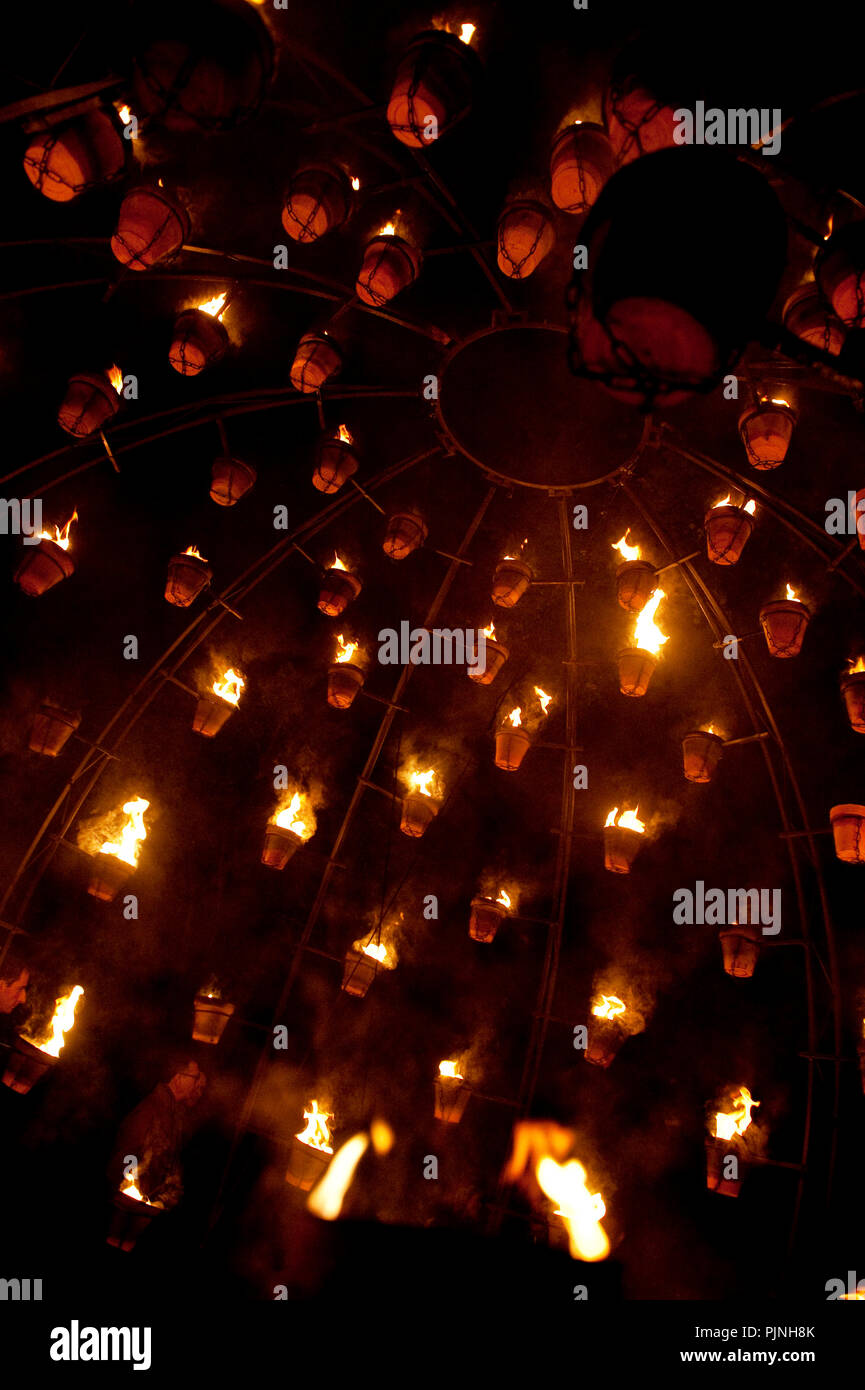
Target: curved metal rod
[
  {"x": 154, "y": 679},
  {"x": 718, "y": 621}
]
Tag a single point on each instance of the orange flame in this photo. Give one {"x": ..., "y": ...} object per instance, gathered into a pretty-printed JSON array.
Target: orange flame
[
  {"x": 791, "y": 594},
  {"x": 317, "y": 1133},
  {"x": 345, "y": 650},
  {"x": 855, "y": 666},
  {"x": 294, "y": 812},
  {"x": 115, "y": 376},
  {"x": 337, "y": 563},
  {"x": 565, "y": 1184},
  {"x": 515, "y": 717},
  {"x": 449, "y": 1069},
  {"x": 229, "y": 687},
  {"x": 382, "y": 950},
  {"x": 490, "y": 632},
  {"x": 628, "y": 820},
  {"x": 504, "y": 899},
  {"x": 191, "y": 550},
  {"x": 750, "y": 507},
  {"x": 630, "y": 552},
  {"x": 355, "y": 183},
  {"x": 128, "y": 846},
  {"x": 422, "y": 781},
  {"x": 736, "y": 1121},
  {"x": 609, "y": 1006},
  {"x": 215, "y": 307},
  {"x": 64, "y": 1017},
  {"x": 647, "y": 635},
  {"x": 543, "y": 697},
  {"x": 345, "y": 435},
  {"x": 61, "y": 533}
]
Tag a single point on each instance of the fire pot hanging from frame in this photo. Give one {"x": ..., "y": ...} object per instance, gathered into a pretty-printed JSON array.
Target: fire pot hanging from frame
[
  {"x": 339, "y": 588},
  {"x": 637, "y": 662},
  {"x": 131, "y": 1215},
  {"x": 151, "y": 228},
  {"x": 91, "y": 400},
  {"x": 452, "y": 1093},
  {"x": 200, "y": 337},
  {"x": 728, "y": 529},
  {"x": 115, "y": 843},
  {"x": 43, "y": 565},
  {"x": 434, "y": 85},
  {"x": 210, "y": 1014},
  {"x": 622, "y": 840},
  {"x": 405, "y": 532},
  {"x": 317, "y": 360},
  {"x": 766, "y": 430},
  {"x": 806, "y": 315},
  {"x": 727, "y": 1150},
  {"x": 188, "y": 576},
  {"x": 853, "y": 693},
  {"x": 526, "y": 235},
  {"x": 511, "y": 579},
  {"x": 317, "y": 201},
  {"x": 311, "y": 1150},
  {"x": 231, "y": 479},
  {"x": 218, "y": 704},
  {"x": 368, "y": 956},
  {"x": 291, "y": 825},
  {"x": 848, "y": 831},
  {"x": 31, "y": 1057},
  {"x": 72, "y": 157},
  {"x": 635, "y": 578},
  {"x": 495, "y": 656},
  {"x": 784, "y": 623},
  {"x": 487, "y": 915},
  {"x": 52, "y": 728},
  {"x": 335, "y": 461},
  {"x": 345, "y": 676},
  {"x": 701, "y": 754},
  {"x": 581, "y": 161},
  {"x": 422, "y": 801},
  {"x": 740, "y": 946},
  {"x": 390, "y": 264}
]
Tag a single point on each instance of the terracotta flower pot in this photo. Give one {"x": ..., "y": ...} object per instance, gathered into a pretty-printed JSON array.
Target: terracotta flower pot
[
  {"x": 605, "y": 1039},
  {"x": 280, "y": 843},
  {"x": 108, "y": 876},
  {"x": 728, "y": 529},
  {"x": 635, "y": 584},
  {"x": 26, "y": 1065},
  {"x": 510, "y": 581},
  {"x": 151, "y": 229},
  {"x": 784, "y": 623},
  {"x": 52, "y": 728},
  {"x": 359, "y": 971},
  {"x": 526, "y": 235},
  {"x": 306, "y": 1165},
  {"x": 496, "y": 656},
  {"x": 740, "y": 944},
  {"x": 90, "y": 402},
  {"x": 717, "y": 1150},
  {"x": 316, "y": 361},
  {"x": 343, "y": 683},
  {"x": 806, "y": 315},
  {"x": 335, "y": 463},
  {"x": 580, "y": 164},
  {"x": 317, "y": 200},
  {"x": 405, "y": 531},
  {"x": 70, "y": 159},
  {"x": 434, "y": 84},
  {"x": 211, "y": 713},
  {"x": 701, "y": 754},
  {"x": 635, "y": 670},
  {"x": 853, "y": 693},
  {"x": 451, "y": 1098},
  {"x": 766, "y": 432},
  {"x": 129, "y": 1220},
  {"x": 188, "y": 576},
  {"x": 840, "y": 272},
  {"x": 42, "y": 566},
  {"x": 486, "y": 917},
  {"x": 848, "y": 829},
  {"x": 230, "y": 480},
  {"x": 417, "y": 813},
  {"x": 338, "y": 589},
  {"x": 390, "y": 265},
  {"x": 211, "y": 1017},
  {"x": 511, "y": 747},
  {"x": 200, "y": 340},
  {"x": 621, "y": 847}
]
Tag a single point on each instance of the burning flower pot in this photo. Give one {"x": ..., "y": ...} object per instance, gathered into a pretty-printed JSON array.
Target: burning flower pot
[
  {"x": 728, "y": 530},
  {"x": 200, "y": 339},
  {"x": 840, "y": 271},
  {"x": 44, "y": 565},
  {"x": 358, "y": 973},
  {"x": 30, "y": 1059},
  {"x": 215, "y": 707},
  {"x": 635, "y": 670},
  {"x": 418, "y": 811},
  {"x": 343, "y": 683},
  {"x": 116, "y": 858},
  {"x": 766, "y": 431},
  {"x": 290, "y": 827},
  {"x": 728, "y": 1142},
  {"x": 451, "y": 1094},
  {"x": 605, "y": 1038},
  {"x": 317, "y": 200},
  {"x": 853, "y": 693},
  {"x": 230, "y": 480},
  {"x": 580, "y": 164},
  {"x": 390, "y": 265},
  {"x": 338, "y": 588},
  {"x": 188, "y": 575},
  {"x": 280, "y": 843},
  {"x": 91, "y": 400},
  {"x": 806, "y": 315},
  {"x": 316, "y": 361},
  {"x": 622, "y": 840},
  {"x": 740, "y": 944},
  {"x": 701, "y": 754},
  {"x": 211, "y": 1016},
  {"x": 487, "y": 915},
  {"x": 311, "y": 1150},
  {"x": 848, "y": 830},
  {"x": 108, "y": 877},
  {"x": 511, "y": 579},
  {"x": 130, "y": 1217},
  {"x": 151, "y": 229},
  {"x": 525, "y": 236},
  {"x": 52, "y": 728},
  {"x": 434, "y": 85},
  {"x": 67, "y": 160},
  {"x": 635, "y": 583},
  {"x": 784, "y": 623},
  {"x": 512, "y": 744},
  {"x": 496, "y": 654},
  {"x": 335, "y": 462},
  {"x": 405, "y": 531}
]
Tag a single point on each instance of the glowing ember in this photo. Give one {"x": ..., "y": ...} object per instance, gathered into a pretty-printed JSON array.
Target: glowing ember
[
  {"x": 609, "y": 1006},
  {"x": 422, "y": 781},
  {"x": 115, "y": 376},
  {"x": 229, "y": 687},
  {"x": 450, "y": 1069},
  {"x": 214, "y": 307},
  {"x": 191, "y": 550},
  {"x": 64, "y": 1017},
  {"x": 727, "y": 1126},
  {"x": 515, "y": 717},
  {"x": 355, "y": 183},
  {"x": 490, "y": 632},
  {"x": 337, "y": 563},
  {"x": 504, "y": 899},
  {"x": 856, "y": 666},
  {"x": 647, "y": 635},
  {"x": 295, "y": 813},
  {"x": 565, "y": 1184},
  {"x": 61, "y": 533},
  {"x": 317, "y": 1134},
  {"x": 791, "y": 594},
  {"x": 345, "y": 435},
  {"x": 543, "y": 697},
  {"x": 345, "y": 650},
  {"x": 630, "y": 552},
  {"x": 128, "y": 846},
  {"x": 627, "y": 820}
]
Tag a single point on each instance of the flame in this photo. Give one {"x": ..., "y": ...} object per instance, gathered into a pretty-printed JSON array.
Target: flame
[
  {"x": 64, "y": 1017},
  {"x": 355, "y": 183},
  {"x": 829, "y": 225},
  {"x": 775, "y": 401},
  {"x": 857, "y": 666},
  {"x": 490, "y": 632},
  {"x": 610, "y": 1006},
  {"x": 317, "y": 1134},
  {"x": 504, "y": 899},
  {"x": 630, "y": 552},
  {"x": 130, "y": 1190},
  {"x": 543, "y": 697},
  {"x": 751, "y": 507},
  {"x": 378, "y": 952},
  {"x": 191, "y": 550},
  {"x": 515, "y": 717},
  {"x": 337, "y": 563},
  {"x": 647, "y": 635},
  {"x": 724, "y": 502},
  {"x": 215, "y": 306},
  {"x": 229, "y": 687},
  {"x": 115, "y": 376},
  {"x": 565, "y": 1184},
  {"x": 326, "y": 1199},
  {"x": 420, "y": 781},
  {"x": 467, "y": 32},
  {"x": 295, "y": 813},
  {"x": 388, "y": 230},
  {"x": 736, "y": 1121},
  {"x": 124, "y": 113},
  {"x": 710, "y": 729},
  {"x": 791, "y": 594},
  {"x": 628, "y": 820},
  {"x": 61, "y": 533},
  {"x": 345, "y": 435},
  {"x": 345, "y": 650},
  {"x": 450, "y": 1069},
  {"x": 128, "y": 847}
]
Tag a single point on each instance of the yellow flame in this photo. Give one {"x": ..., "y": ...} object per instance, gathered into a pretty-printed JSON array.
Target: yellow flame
[
  {"x": 115, "y": 376},
  {"x": 628, "y": 552},
  {"x": 515, "y": 717},
  {"x": 378, "y": 952},
  {"x": 230, "y": 686},
  {"x": 388, "y": 230},
  {"x": 450, "y": 1069},
  {"x": 61, "y": 533},
  {"x": 215, "y": 307},
  {"x": 355, "y": 183},
  {"x": 490, "y": 631},
  {"x": 647, "y": 635},
  {"x": 345, "y": 435},
  {"x": 382, "y": 950},
  {"x": 129, "y": 1189},
  {"x": 128, "y": 847},
  {"x": 609, "y": 1006},
  {"x": 64, "y": 1017},
  {"x": 738, "y": 1119},
  {"x": 791, "y": 594},
  {"x": 295, "y": 813},
  {"x": 724, "y": 502},
  {"x": 504, "y": 899},
  {"x": 192, "y": 550},
  {"x": 327, "y": 1197},
  {"x": 855, "y": 666},
  {"x": 421, "y": 781},
  {"x": 467, "y": 32},
  {"x": 751, "y": 507},
  {"x": 337, "y": 563},
  {"x": 345, "y": 650},
  {"x": 317, "y": 1133},
  {"x": 628, "y": 820},
  {"x": 829, "y": 224},
  {"x": 775, "y": 401},
  {"x": 565, "y": 1184},
  {"x": 124, "y": 113},
  {"x": 543, "y": 697}
]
